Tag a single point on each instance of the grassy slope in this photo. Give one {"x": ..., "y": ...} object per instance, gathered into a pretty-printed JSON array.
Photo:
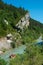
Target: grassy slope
[
  {"x": 34, "y": 54},
  {"x": 13, "y": 14},
  {"x": 33, "y": 32}
]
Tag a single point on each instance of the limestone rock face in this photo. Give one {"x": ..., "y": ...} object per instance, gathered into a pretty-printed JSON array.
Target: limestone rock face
[
  {"x": 6, "y": 21},
  {"x": 1, "y": 52},
  {"x": 24, "y": 22},
  {"x": 5, "y": 43}
]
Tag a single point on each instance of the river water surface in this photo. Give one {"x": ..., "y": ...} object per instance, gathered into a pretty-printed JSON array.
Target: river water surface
[{"x": 19, "y": 50}]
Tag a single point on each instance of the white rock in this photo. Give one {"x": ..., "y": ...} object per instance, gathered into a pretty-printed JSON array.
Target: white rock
[
  {"x": 9, "y": 35},
  {"x": 1, "y": 52},
  {"x": 6, "y": 22},
  {"x": 9, "y": 41}
]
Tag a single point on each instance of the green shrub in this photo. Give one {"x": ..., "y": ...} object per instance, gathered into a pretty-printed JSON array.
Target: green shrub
[{"x": 2, "y": 62}]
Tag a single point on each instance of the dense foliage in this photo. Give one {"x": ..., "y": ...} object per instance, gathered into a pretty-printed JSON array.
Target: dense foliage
[
  {"x": 12, "y": 15},
  {"x": 36, "y": 25},
  {"x": 32, "y": 56},
  {"x": 2, "y": 62},
  {"x": 34, "y": 53},
  {"x": 33, "y": 32}
]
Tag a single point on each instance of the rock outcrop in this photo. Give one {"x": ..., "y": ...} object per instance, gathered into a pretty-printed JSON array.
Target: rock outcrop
[
  {"x": 24, "y": 22},
  {"x": 5, "y": 43}
]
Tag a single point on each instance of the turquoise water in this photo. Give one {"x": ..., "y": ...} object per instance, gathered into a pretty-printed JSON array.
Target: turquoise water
[{"x": 19, "y": 50}]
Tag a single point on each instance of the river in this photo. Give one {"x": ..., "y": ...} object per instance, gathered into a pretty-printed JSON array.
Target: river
[{"x": 19, "y": 50}]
